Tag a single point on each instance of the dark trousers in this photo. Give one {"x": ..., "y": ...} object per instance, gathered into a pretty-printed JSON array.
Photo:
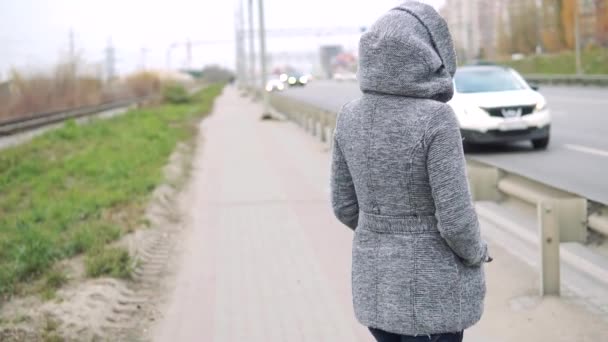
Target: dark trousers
[{"x": 383, "y": 336}]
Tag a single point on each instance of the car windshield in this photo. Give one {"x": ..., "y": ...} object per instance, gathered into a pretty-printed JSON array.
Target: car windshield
[{"x": 484, "y": 80}]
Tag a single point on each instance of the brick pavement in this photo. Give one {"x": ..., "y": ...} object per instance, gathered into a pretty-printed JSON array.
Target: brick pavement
[{"x": 265, "y": 260}]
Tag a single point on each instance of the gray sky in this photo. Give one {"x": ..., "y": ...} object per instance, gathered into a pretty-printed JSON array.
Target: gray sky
[{"x": 34, "y": 33}]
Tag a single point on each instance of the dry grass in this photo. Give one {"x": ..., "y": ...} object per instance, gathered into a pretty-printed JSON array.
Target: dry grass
[{"x": 64, "y": 87}]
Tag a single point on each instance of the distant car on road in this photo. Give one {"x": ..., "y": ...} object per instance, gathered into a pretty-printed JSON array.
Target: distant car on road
[
  {"x": 274, "y": 85},
  {"x": 494, "y": 104},
  {"x": 345, "y": 76},
  {"x": 295, "y": 79}
]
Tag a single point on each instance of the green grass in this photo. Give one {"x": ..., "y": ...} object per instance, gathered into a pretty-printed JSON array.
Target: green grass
[
  {"x": 77, "y": 188},
  {"x": 53, "y": 281},
  {"x": 114, "y": 262},
  {"x": 594, "y": 61}
]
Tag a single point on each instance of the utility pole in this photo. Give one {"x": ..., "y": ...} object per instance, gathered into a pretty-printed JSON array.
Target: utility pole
[
  {"x": 110, "y": 61},
  {"x": 237, "y": 46},
  {"x": 72, "y": 45},
  {"x": 241, "y": 50},
  {"x": 72, "y": 52},
  {"x": 263, "y": 57},
  {"x": 188, "y": 54},
  {"x": 577, "y": 38},
  {"x": 251, "y": 49},
  {"x": 168, "y": 55},
  {"x": 144, "y": 55},
  {"x": 72, "y": 66},
  {"x": 539, "y": 24}
]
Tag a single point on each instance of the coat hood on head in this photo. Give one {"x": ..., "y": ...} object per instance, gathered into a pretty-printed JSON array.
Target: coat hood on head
[{"x": 408, "y": 52}]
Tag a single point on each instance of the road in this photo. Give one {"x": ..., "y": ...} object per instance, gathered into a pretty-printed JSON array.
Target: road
[{"x": 576, "y": 160}]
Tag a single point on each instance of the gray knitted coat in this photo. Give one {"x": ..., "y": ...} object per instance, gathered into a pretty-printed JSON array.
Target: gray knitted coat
[{"x": 399, "y": 180}]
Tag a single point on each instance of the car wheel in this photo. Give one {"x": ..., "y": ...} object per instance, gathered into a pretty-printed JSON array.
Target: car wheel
[{"x": 540, "y": 144}]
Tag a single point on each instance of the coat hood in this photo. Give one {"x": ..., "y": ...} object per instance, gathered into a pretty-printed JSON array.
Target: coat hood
[{"x": 408, "y": 52}]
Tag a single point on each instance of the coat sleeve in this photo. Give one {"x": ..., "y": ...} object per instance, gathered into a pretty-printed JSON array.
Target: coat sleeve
[
  {"x": 446, "y": 167},
  {"x": 343, "y": 196}
]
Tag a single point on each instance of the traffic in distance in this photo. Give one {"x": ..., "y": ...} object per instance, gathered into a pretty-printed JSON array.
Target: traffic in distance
[
  {"x": 494, "y": 104},
  {"x": 279, "y": 81}
]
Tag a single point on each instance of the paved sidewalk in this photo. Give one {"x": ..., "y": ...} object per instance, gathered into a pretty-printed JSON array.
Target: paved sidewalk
[{"x": 266, "y": 261}]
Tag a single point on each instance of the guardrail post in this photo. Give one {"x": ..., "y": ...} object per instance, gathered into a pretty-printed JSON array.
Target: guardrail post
[
  {"x": 483, "y": 180},
  {"x": 549, "y": 249},
  {"x": 308, "y": 123},
  {"x": 323, "y": 128}
]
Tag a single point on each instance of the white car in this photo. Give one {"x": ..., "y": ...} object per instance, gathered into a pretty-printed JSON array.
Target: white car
[
  {"x": 495, "y": 104},
  {"x": 345, "y": 76},
  {"x": 274, "y": 85}
]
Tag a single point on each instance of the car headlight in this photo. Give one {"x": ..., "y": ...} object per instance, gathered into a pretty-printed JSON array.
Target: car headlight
[
  {"x": 269, "y": 87},
  {"x": 281, "y": 87},
  {"x": 474, "y": 110},
  {"x": 292, "y": 80},
  {"x": 303, "y": 79},
  {"x": 541, "y": 105}
]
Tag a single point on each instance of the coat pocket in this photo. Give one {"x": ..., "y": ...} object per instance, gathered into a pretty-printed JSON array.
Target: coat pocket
[
  {"x": 436, "y": 289},
  {"x": 473, "y": 291},
  {"x": 364, "y": 275},
  {"x": 383, "y": 274}
]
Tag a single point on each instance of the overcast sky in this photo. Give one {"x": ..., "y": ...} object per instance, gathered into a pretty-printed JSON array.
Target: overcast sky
[{"x": 34, "y": 33}]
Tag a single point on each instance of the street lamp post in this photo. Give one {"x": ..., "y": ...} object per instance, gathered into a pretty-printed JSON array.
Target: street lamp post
[
  {"x": 263, "y": 57},
  {"x": 168, "y": 55},
  {"x": 577, "y": 38},
  {"x": 251, "y": 48},
  {"x": 241, "y": 52}
]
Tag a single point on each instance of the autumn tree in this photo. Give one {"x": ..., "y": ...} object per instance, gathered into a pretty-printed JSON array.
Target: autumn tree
[
  {"x": 524, "y": 30},
  {"x": 568, "y": 12},
  {"x": 552, "y": 33},
  {"x": 503, "y": 35},
  {"x": 601, "y": 8}
]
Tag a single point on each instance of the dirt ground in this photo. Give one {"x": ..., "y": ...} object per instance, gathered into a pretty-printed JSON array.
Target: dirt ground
[{"x": 107, "y": 309}]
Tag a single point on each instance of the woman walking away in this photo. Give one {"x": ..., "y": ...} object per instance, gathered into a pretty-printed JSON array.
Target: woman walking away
[{"x": 399, "y": 180}]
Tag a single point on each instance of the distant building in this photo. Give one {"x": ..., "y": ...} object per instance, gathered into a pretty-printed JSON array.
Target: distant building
[
  {"x": 589, "y": 17},
  {"x": 462, "y": 17},
  {"x": 473, "y": 27},
  {"x": 488, "y": 12},
  {"x": 327, "y": 54}
]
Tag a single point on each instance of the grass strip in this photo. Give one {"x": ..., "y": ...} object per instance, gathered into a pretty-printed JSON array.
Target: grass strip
[
  {"x": 594, "y": 61},
  {"x": 75, "y": 189}
]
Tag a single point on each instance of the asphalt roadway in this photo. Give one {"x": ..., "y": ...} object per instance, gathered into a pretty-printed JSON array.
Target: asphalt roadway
[{"x": 575, "y": 161}]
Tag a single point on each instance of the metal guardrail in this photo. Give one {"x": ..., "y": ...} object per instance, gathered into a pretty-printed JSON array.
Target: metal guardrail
[
  {"x": 24, "y": 123},
  {"x": 593, "y": 80},
  {"x": 562, "y": 216}
]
